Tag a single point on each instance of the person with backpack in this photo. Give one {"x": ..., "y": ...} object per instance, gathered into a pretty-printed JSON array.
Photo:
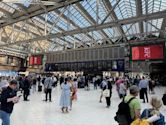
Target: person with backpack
[
  {"x": 158, "y": 118},
  {"x": 129, "y": 108}
]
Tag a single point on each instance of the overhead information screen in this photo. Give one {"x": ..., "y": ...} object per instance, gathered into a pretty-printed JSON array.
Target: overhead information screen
[
  {"x": 100, "y": 65},
  {"x": 35, "y": 60},
  {"x": 150, "y": 52}
]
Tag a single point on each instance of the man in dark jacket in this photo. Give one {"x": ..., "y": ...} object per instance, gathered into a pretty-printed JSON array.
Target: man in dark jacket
[
  {"x": 8, "y": 99},
  {"x": 26, "y": 87},
  {"x": 164, "y": 98}
]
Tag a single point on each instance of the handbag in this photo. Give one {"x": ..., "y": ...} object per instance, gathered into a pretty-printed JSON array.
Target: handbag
[
  {"x": 45, "y": 90},
  {"x": 140, "y": 122},
  {"x": 106, "y": 93}
]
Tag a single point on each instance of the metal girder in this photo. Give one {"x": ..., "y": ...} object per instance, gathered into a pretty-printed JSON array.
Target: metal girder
[
  {"x": 40, "y": 33},
  {"x": 156, "y": 27},
  {"x": 11, "y": 49},
  {"x": 35, "y": 34},
  {"x": 37, "y": 10},
  {"x": 139, "y": 13},
  {"x": 19, "y": 32},
  {"x": 163, "y": 27},
  {"x": 3, "y": 29},
  {"x": 6, "y": 13},
  {"x": 69, "y": 21},
  {"x": 113, "y": 15},
  {"x": 59, "y": 28},
  {"x": 110, "y": 10},
  {"x": 57, "y": 19},
  {"x": 89, "y": 18},
  {"x": 115, "y": 23},
  {"x": 32, "y": 24}
]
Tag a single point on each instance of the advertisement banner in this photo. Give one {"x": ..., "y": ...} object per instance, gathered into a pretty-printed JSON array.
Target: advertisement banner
[
  {"x": 150, "y": 52},
  {"x": 35, "y": 60}
]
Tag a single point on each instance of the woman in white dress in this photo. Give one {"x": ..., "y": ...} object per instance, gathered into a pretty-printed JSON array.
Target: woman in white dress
[{"x": 65, "y": 96}]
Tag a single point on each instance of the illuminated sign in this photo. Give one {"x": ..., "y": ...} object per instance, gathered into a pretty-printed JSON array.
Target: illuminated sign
[
  {"x": 150, "y": 52},
  {"x": 35, "y": 60}
]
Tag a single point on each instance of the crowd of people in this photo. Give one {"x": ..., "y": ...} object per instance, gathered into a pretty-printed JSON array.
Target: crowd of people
[
  {"x": 69, "y": 88},
  {"x": 129, "y": 110}
]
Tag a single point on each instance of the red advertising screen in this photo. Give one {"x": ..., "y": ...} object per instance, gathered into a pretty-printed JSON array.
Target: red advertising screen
[
  {"x": 31, "y": 60},
  {"x": 35, "y": 60},
  {"x": 147, "y": 52}
]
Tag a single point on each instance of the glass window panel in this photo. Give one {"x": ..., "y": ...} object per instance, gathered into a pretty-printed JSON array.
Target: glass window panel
[{"x": 126, "y": 9}]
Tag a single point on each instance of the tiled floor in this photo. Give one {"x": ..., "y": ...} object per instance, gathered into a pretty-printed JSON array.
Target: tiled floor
[{"x": 86, "y": 111}]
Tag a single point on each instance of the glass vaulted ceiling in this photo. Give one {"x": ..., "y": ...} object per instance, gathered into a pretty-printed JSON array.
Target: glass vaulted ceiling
[{"x": 94, "y": 12}]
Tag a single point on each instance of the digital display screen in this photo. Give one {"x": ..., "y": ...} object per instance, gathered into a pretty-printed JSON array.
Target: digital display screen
[
  {"x": 35, "y": 60},
  {"x": 150, "y": 52},
  {"x": 114, "y": 65}
]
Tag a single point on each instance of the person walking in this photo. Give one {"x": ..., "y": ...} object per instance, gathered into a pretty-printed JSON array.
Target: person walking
[
  {"x": 103, "y": 87},
  {"x": 72, "y": 91},
  {"x": 95, "y": 82},
  {"x": 8, "y": 99},
  {"x": 118, "y": 82},
  {"x": 34, "y": 82},
  {"x": 143, "y": 85},
  {"x": 39, "y": 80},
  {"x": 65, "y": 96},
  {"x": 26, "y": 88},
  {"x": 122, "y": 90},
  {"x": 54, "y": 78},
  {"x": 48, "y": 87},
  {"x": 151, "y": 86},
  {"x": 108, "y": 99},
  {"x": 61, "y": 80},
  {"x": 75, "y": 88}
]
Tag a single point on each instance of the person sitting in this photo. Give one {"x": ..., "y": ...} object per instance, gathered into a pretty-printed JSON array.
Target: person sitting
[
  {"x": 156, "y": 105},
  {"x": 164, "y": 98}
]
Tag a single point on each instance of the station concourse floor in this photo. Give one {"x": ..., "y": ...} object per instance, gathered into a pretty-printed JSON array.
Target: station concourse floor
[{"x": 86, "y": 110}]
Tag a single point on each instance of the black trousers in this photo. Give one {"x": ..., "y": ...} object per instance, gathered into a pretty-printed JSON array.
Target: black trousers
[
  {"x": 48, "y": 91},
  {"x": 145, "y": 94},
  {"x": 26, "y": 94},
  {"x": 108, "y": 101},
  {"x": 95, "y": 85}
]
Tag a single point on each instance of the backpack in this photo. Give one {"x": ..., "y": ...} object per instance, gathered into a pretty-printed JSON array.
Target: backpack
[{"x": 123, "y": 116}]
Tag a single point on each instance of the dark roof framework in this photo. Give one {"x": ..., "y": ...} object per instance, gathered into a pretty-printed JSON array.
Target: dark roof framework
[{"x": 41, "y": 26}]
